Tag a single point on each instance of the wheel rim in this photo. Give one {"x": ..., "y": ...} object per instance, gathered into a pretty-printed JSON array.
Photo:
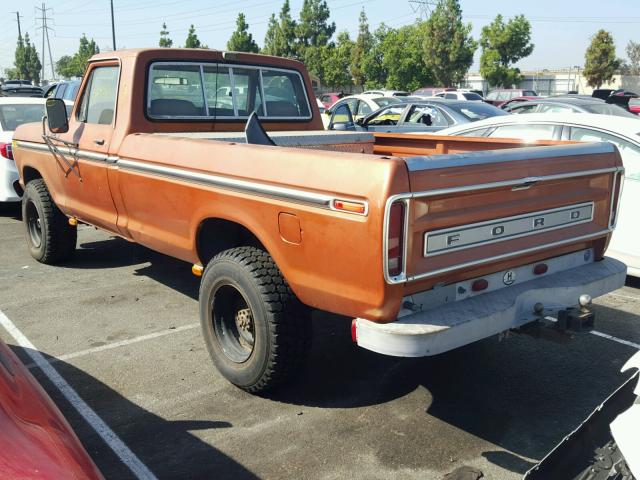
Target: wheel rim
[
  {"x": 233, "y": 323},
  {"x": 34, "y": 225}
]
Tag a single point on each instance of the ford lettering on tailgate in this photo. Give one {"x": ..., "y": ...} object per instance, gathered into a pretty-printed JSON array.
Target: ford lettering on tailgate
[{"x": 477, "y": 234}]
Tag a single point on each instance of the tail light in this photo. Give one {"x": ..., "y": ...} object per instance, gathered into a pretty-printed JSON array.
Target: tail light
[
  {"x": 6, "y": 151},
  {"x": 615, "y": 198},
  {"x": 395, "y": 239}
]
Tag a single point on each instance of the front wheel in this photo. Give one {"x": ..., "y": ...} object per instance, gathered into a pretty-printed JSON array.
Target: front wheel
[
  {"x": 50, "y": 238},
  {"x": 255, "y": 329}
]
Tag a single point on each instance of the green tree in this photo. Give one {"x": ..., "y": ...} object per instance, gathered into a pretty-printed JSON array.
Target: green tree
[
  {"x": 363, "y": 44},
  {"x": 403, "y": 52},
  {"x": 337, "y": 60},
  {"x": 373, "y": 69},
  {"x": 600, "y": 59},
  {"x": 20, "y": 61},
  {"x": 313, "y": 29},
  {"x": 33, "y": 65},
  {"x": 503, "y": 44},
  {"x": 192, "y": 39},
  {"x": 633, "y": 54},
  {"x": 75, "y": 66},
  {"x": 280, "y": 39},
  {"x": 241, "y": 40},
  {"x": 165, "y": 41},
  {"x": 449, "y": 47}
]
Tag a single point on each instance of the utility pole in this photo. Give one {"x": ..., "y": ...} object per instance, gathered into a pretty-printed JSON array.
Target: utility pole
[
  {"x": 113, "y": 27},
  {"x": 18, "y": 20},
  {"x": 45, "y": 36}
]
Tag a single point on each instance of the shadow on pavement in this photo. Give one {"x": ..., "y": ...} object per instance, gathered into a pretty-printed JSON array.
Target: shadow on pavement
[
  {"x": 521, "y": 394},
  {"x": 166, "y": 447},
  {"x": 11, "y": 210}
]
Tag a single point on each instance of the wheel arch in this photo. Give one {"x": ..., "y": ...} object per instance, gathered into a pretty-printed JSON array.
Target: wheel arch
[
  {"x": 215, "y": 234},
  {"x": 30, "y": 173}
]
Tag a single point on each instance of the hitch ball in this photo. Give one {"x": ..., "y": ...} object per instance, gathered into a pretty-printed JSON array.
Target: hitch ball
[
  {"x": 538, "y": 308},
  {"x": 584, "y": 300}
]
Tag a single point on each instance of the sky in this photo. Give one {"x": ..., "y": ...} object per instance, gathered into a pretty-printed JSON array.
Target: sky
[{"x": 560, "y": 29}]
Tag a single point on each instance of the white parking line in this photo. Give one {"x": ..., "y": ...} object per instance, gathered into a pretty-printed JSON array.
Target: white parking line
[
  {"x": 615, "y": 339},
  {"x": 121, "y": 343},
  {"x": 139, "y": 469}
]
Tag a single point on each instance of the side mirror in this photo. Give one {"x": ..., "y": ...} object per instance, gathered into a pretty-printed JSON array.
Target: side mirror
[
  {"x": 342, "y": 119},
  {"x": 57, "y": 115},
  {"x": 327, "y": 112},
  {"x": 360, "y": 121}
]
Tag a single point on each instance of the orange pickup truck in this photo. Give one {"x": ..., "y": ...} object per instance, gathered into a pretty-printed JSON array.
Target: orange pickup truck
[{"x": 429, "y": 243}]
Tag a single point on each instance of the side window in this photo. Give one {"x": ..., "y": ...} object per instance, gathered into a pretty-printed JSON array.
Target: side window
[
  {"x": 99, "y": 98},
  {"x": 524, "y": 108},
  {"x": 175, "y": 91},
  {"x": 388, "y": 116},
  {"x": 426, "y": 115},
  {"x": 630, "y": 153},
  {"x": 546, "y": 108},
  {"x": 524, "y": 132},
  {"x": 492, "y": 96},
  {"x": 478, "y": 132},
  {"x": 352, "y": 103},
  {"x": 284, "y": 94},
  {"x": 60, "y": 91},
  {"x": 363, "y": 109},
  {"x": 451, "y": 96}
]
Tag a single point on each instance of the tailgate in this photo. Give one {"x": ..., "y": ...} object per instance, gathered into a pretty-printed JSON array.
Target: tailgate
[{"x": 478, "y": 209}]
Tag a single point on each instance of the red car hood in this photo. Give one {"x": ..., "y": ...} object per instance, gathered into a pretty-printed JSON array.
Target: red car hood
[{"x": 36, "y": 442}]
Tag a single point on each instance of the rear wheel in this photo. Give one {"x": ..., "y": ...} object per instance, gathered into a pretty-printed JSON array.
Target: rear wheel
[
  {"x": 50, "y": 238},
  {"x": 255, "y": 329}
]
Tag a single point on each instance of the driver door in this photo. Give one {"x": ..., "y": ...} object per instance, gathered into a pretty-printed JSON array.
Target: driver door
[{"x": 87, "y": 195}]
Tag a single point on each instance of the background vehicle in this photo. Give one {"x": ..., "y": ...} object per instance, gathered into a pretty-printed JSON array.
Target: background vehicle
[
  {"x": 374, "y": 227},
  {"x": 457, "y": 95},
  {"x": 428, "y": 115},
  {"x": 329, "y": 99},
  {"x": 19, "y": 88},
  {"x": 569, "y": 105},
  {"x": 360, "y": 106},
  {"x": 499, "y": 96},
  {"x": 386, "y": 93},
  {"x": 624, "y": 133},
  {"x": 66, "y": 90},
  {"x": 634, "y": 106},
  {"x": 36, "y": 441},
  {"x": 431, "y": 91},
  {"x": 515, "y": 101},
  {"x": 14, "y": 111}
]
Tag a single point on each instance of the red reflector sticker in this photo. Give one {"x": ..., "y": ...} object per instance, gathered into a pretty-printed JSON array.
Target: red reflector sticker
[
  {"x": 540, "y": 268},
  {"x": 479, "y": 285},
  {"x": 354, "y": 331}
]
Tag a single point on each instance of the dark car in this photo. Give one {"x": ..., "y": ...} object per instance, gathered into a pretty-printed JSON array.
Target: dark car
[
  {"x": 570, "y": 104},
  {"x": 427, "y": 115},
  {"x": 501, "y": 95},
  {"x": 66, "y": 90},
  {"x": 19, "y": 88}
]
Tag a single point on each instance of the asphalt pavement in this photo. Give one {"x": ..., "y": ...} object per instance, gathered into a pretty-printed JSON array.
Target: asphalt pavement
[{"x": 118, "y": 331}]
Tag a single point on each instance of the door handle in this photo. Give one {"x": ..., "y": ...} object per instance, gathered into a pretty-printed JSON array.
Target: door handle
[{"x": 99, "y": 142}]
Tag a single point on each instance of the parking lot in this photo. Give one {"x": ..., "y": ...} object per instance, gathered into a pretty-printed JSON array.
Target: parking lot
[{"x": 119, "y": 324}]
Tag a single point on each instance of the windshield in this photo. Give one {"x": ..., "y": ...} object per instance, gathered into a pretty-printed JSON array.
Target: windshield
[
  {"x": 477, "y": 111},
  {"x": 609, "y": 109},
  {"x": 472, "y": 96},
  {"x": 11, "y": 116},
  {"x": 384, "y": 101}
]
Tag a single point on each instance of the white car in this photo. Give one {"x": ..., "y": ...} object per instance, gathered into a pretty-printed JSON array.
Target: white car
[
  {"x": 360, "y": 105},
  {"x": 15, "y": 111},
  {"x": 460, "y": 95},
  {"x": 623, "y": 132},
  {"x": 386, "y": 93}
]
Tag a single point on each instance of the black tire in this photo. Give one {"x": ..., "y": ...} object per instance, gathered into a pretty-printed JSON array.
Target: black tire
[
  {"x": 50, "y": 238},
  {"x": 256, "y": 330}
]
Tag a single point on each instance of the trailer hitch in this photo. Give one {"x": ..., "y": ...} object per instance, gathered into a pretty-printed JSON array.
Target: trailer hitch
[{"x": 569, "y": 321}]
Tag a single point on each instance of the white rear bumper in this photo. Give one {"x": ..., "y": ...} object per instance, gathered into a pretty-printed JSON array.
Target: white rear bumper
[
  {"x": 456, "y": 324},
  {"x": 8, "y": 176}
]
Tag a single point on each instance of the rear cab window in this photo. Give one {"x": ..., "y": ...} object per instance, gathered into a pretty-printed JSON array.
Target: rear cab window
[{"x": 207, "y": 91}]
